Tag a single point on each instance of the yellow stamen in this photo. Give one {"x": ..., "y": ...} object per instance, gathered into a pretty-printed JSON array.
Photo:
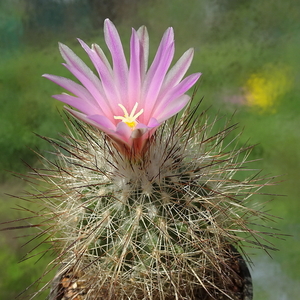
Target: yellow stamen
[{"x": 130, "y": 120}]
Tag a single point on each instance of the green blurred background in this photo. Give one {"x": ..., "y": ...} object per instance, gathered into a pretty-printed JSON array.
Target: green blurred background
[{"x": 249, "y": 54}]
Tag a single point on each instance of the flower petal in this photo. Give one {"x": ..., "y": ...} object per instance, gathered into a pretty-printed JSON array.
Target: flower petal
[
  {"x": 173, "y": 108},
  {"x": 123, "y": 131},
  {"x": 177, "y": 72},
  {"x": 153, "y": 123},
  {"x": 104, "y": 70},
  {"x": 120, "y": 68},
  {"x": 80, "y": 70},
  {"x": 72, "y": 87},
  {"x": 144, "y": 40},
  {"x": 103, "y": 121},
  {"x": 97, "y": 121},
  {"x": 134, "y": 75},
  {"x": 85, "y": 75},
  {"x": 157, "y": 72},
  {"x": 175, "y": 92},
  {"x": 79, "y": 103}
]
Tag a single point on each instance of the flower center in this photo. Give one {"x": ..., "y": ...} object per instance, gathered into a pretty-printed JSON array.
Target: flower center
[{"x": 130, "y": 120}]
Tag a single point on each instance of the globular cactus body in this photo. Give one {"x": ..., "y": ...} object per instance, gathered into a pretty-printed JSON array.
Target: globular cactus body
[{"x": 160, "y": 225}]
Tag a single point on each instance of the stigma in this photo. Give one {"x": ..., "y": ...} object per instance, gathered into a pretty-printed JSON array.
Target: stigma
[{"x": 130, "y": 120}]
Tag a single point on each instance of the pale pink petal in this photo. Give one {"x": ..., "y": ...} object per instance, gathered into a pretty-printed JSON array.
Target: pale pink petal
[
  {"x": 121, "y": 134},
  {"x": 153, "y": 123},
  {"x": 87, "y": 77},
  {"x": 73, "y": 60},
  {"x": 173, "y": 108},
  {"x": 79, "y": 103},
  {"x": 124, "y": 132},
  {"x": 102, "y": 123},
  {"x": 94, "y": 91},
  {"x": 98, "y": 50},
  {"x": 177, "y": 72},
  {"x": 166, "y": 42},
  {"x": 157, "y": 72},
  {"x": 72, "y": 87},
  {"x": 150, "y": 97},
  {"x": 104, "y": 70},
  {"x": 140, "y": 126},
  {"x": 144, "y": 40},
  {"x": 154, "y": 85},
  {"x": 120, "y": 68},
  {"x": 175, "y": 92},
  {"x": 134, "y": 75},
  {"x": 184, "y": 85}
]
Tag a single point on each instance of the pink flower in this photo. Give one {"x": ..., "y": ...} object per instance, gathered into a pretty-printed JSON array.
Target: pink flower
[{"x": 128, "y": 103}]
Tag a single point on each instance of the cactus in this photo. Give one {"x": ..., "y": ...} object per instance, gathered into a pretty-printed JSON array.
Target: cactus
[
  {"x": 148, "y": 207},
  {"x": 160, "y": 226}
]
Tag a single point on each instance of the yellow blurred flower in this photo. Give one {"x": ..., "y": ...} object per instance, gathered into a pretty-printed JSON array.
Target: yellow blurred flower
[{"x": 263, "y": 89}]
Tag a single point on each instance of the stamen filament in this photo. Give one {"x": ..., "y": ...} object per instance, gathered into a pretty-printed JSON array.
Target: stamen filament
[{"x": 130, "y": 120}]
